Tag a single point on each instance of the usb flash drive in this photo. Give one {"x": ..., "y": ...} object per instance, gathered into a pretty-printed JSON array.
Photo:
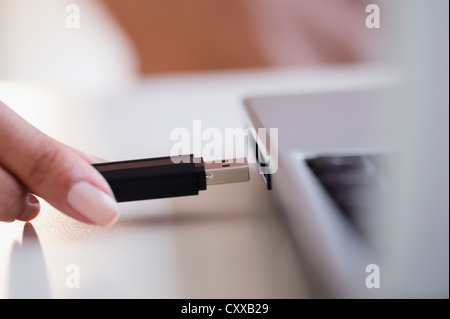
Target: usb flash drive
[{"x": 160, "y": 177}]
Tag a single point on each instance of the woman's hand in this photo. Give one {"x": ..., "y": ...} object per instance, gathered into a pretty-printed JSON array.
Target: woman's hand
[{"x": 31, "y": 163}]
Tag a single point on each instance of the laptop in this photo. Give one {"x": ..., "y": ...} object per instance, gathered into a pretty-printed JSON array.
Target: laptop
[{"x": 361, "y": 176}]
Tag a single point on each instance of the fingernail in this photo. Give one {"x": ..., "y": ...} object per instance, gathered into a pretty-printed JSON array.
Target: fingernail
[{"x": 93, "y": 203}]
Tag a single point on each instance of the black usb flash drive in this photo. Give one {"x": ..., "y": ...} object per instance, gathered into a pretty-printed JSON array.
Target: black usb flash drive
[{"x": 163, "y": 177}]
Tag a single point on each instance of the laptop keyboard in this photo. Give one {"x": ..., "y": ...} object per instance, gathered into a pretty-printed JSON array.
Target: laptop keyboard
[{"x": 355, "y": 183}]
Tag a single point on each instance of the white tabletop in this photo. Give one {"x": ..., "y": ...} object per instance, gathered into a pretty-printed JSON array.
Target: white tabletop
[{"x": 228, "y": 242}]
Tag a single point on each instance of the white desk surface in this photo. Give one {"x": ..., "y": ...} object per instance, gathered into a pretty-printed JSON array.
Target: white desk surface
[{"x": 228, "y": 242}]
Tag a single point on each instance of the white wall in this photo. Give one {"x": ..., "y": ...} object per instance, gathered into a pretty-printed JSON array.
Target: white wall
[{"x": 36, "y": 45}]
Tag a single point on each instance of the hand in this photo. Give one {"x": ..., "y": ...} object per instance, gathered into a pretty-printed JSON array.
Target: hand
[{"x": 31, "y": 163}]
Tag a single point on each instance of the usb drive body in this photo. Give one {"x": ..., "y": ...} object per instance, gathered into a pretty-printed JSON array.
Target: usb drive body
[{"x": 160, "y": 177}]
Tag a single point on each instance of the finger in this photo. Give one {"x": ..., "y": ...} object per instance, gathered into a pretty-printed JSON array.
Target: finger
[
  {"x": 32, "y": 210},
  {"x": 15, "y": 201},
  {"x": 54, "y": 172},
  {"x": 87, "y": 157}
]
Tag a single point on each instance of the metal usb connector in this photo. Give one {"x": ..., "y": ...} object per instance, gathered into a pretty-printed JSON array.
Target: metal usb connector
[{"x": 227, "y": 171}]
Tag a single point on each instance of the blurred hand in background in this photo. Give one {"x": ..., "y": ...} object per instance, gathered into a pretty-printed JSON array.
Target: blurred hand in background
[{"x": 179, "y": 35}]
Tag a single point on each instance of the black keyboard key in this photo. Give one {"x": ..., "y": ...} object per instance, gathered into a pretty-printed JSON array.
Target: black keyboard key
[
  {"x": 327, "y": 164},
  {"x": 356, "y": 183}
]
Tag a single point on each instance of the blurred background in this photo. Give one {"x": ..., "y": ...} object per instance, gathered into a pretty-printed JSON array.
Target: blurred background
[
  {"x": 67, "y": 63},
  {"x": 118, "y": 41}
]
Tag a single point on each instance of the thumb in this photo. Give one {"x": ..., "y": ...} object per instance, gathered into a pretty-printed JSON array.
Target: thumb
[{"x": 54, "y": 171}]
